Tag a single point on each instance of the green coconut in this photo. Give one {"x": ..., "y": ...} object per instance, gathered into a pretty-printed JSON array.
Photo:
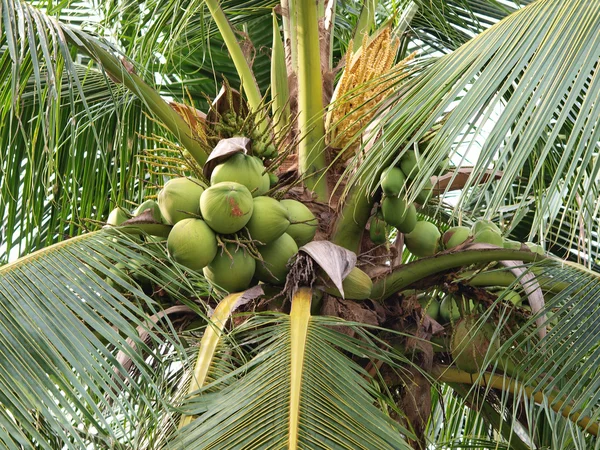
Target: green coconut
[
  {"x": 149, "y": 205},
  {"x": 513, "y": 297},
  {"x": 481, "y": 225},
  {"x": 423, "y": 240},
  {"x": 357, "y": 286},
  {"x": 470, "y": 344},
  {"x": 535, "y": 248},
  {"x": 231, "y": 270},
  {"x": 449, "y": 310},
  {"x": 273, "y": 268},
  {"x": 394, "y": 210},
  {"x": 178, "y": 199},
  {"x": 303, "y": 224},
  {"x": 378, "y": 229},
  {"x": 431, "y": 306},
  {"x": 273, "y": 179},
  {"x": 116, "y": 217},
  {"x": 510, "y": 244},
  {"x": 192, "y": 243},
  {"x": 226, "y": 207},
  {"x": 455, "y": 236},
  {"x": 489, "y": 236},
  {"x": 265, "y": 186},
  {"x": 242, "y": 169},
  {"x": 392, "y": 182},
  {"x": 425, "y": 194},
  {"x": 270, "y": 219},
  {"x": 409, "y": 164},
  {"x": 410, "y": 220}
]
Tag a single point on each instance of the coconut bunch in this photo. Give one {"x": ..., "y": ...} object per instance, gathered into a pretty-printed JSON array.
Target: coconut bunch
[
  {"x": 394, "y": 210},
  {"x": 229, "y": 229}
]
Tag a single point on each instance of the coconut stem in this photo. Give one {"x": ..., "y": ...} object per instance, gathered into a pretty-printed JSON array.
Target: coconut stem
[
  {"x": 505, "y": 383},
  {"x": 351, "y": 222},
  {"x": 410, "y": 273}
]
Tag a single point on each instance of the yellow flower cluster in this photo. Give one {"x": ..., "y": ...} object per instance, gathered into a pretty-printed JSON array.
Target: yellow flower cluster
[{"x": 369, "y": 77}]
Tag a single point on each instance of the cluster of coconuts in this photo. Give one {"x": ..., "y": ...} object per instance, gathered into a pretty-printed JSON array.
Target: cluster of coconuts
[
  {"x": 206, "y": 218},
  {"x": 394, "y": 210}
]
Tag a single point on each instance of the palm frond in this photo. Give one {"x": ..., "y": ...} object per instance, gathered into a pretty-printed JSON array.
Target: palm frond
[
  {"x": 540, "y": 88},
  {"x": 336, "y": 395},
  {"x": 70, "y": 321}
]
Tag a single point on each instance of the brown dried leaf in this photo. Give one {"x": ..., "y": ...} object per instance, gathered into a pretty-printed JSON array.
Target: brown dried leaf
[
  {"x": 191, "y": 115},
  {"x": 457, "y": 179},
  {"x": 226, "y": 100},
  {"x": 336, "y": 261},
  {"x": 224, "y": 150}
]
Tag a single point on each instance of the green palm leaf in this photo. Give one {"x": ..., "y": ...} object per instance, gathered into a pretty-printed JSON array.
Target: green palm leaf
[
  {"x": 295, "y": 357},
  {"x": 529, "y": 69},
  {"x": 64, "y": 321}
]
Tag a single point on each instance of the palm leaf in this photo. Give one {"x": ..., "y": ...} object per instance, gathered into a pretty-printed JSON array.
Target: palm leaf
[
  {"x": 528, "y": 68},
  {"x": 64, "y": 321},
  {"x": 327, "y": 397}
]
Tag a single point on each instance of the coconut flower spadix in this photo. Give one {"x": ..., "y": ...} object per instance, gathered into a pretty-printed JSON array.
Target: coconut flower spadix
[
  {"x": 192, "y": 243},
  {"x": 231, "y": 270},
  {"x": 226, "y": 207},
  {"x": 270, "y": 219},
  {"x": 272, "y": 269},
  {"x": 178, "y": 199},
  {"x": 303, "y": 224},
  {"x": 242, "y": 169}
]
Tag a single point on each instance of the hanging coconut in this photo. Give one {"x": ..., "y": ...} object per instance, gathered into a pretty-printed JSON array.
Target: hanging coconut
[
  {"x": 273, "y": 179},
  {"x": 149, "y": 205},
  {"x": 265, "y": 185},
  {"x": 430, "y": 306},
  {"x": 392, "y": 182},
  {"x": 489, "y": 236},
  {"x": 481, "y": 225},
  {"x": 394, "y": 210},
  {"x": 226, "y": 207},
  {"x": 510, "y": 244},
  {"x": 243, "y": 169},
  {"x": 410, "y": 220},
  {"x": 455, "y": 236},
  {"x": 423, "y": 240},
  {"x": 535, "y": 248},
  {"x": 192, "y": 243},
  {"x": 303, "y": 224},
  {"x": 357, "y": 286},
  {"x": 116, "y": 217},
  {"x": 378, "y": 229},
  {"x": 231, "y": 270},
  {"x": 409, "y": 164},
  {"x": 470, "y": 344},
  {"x": 273, "y": 268},
  {"x": 270, "y": 219},
  {"x": 425, "y": 194},
  {"x": 450, "y": 311},
  {"x": 178, "y": 199}
]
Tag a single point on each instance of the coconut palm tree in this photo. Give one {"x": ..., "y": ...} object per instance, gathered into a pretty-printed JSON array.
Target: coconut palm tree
[{"x": 393, "y": 122}]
